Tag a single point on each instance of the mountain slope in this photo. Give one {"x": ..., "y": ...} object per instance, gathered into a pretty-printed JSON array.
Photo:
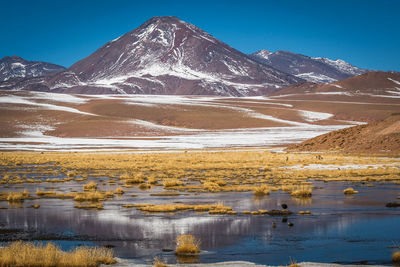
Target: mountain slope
[
  {"x": 371, "y": 83},
  {"x": 165, "y": 56},
  {"x": 317, "y": 69},
  {"x": 379, "y": 137},
  {"x": 16, "y": 67}
]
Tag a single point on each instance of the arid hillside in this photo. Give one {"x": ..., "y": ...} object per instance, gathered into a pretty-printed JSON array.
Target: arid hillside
[{"x": 379, "y": 137}]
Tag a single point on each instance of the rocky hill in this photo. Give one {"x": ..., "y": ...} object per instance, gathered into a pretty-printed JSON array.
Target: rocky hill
[
  {"x": 312, "y": 69},
  {"x": 380, "y": 138}
]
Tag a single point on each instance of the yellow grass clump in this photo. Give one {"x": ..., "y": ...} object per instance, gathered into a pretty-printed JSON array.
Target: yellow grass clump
[
  {"x": 159, "y": 263},
  {"x": 396, "y": 257},
  {"x": 350, "y": 191},
  {"x": 211, "y": 187},
  {"x": 172, "y": 182},
  {"x": 28, "y": 254},
  {"x": 90, "y": 196},
  {"x": 40, "y": 193},
  {"x": 136, "y": 180},
  {"x": 90, "y": 186},
  {"x": 187, "y": 245},
  {"x": 302, "y": 191},
  {"x": 175, "y": 207},
  {"x": 17, "y": 196},
  {"x": 90, "y": 206},
  {"x": 262, "y": 190},
  {"x": 306, "y": 212},
  {"x": 144, "y": 186},
  {"x": 119, "y": 191},
  {"x": 71, "y": 174}
]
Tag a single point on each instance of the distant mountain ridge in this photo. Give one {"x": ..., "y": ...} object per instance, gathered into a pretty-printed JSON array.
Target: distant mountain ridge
[
  {"x": 312, "y": 69},
  {"x": 165, "y": 55},
  {"x": 17, "y": 67},
  {"x": 371, "y": 83}
]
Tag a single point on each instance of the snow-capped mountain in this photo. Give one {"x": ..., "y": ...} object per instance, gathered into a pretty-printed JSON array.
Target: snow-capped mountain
[
  {"x": 165, "y": 55},
  {"x": 16, "y": 67},
  {"x": 312, "y": 69}
]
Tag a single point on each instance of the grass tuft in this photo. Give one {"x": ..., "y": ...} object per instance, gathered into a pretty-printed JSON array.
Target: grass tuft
[
  {"x": 28, "y": 254},
  {"x": 90, "y": 186},
  {"x": 17, "y": 196},
  {"x": 262, "y": 190},
  {"x": 159, "y": 263},
  {"x": 187, "y": 245},
  {"x": 302, "y": 191},
  {"x": 396, "y": 256},
  {"x": 350, "y": 191}
]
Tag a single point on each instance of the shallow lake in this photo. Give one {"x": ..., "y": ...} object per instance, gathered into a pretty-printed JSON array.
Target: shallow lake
[{"x": 344, "y": 229}]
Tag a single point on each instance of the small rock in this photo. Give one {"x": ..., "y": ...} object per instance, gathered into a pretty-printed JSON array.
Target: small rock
[
  {"x": 290, "y": 224},
  {"x": 392, "y": 205}
]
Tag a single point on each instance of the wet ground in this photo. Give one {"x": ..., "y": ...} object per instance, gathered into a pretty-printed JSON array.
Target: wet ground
[{"x": 344, "y": 229}]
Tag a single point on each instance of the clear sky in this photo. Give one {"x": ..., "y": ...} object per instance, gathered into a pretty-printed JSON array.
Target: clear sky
[{"x": 365, "y": 33}]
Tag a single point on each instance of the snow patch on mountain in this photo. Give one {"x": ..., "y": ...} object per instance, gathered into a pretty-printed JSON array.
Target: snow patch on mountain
[
  {"x": 341, "y": 65},
  {"x": 315, "y": 77},
  {"x": 16, "y": 67},
  {"x": 396, "y": 82}
]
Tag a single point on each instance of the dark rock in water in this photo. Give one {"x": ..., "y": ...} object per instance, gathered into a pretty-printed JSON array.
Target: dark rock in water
[
  {"x": 284, "y": 220},
  {"x": 284, "y": 206},
  {"x": 273, "y": 225},
  {"x": 392, "y": 205},
  {"x": 290, "y": 224},
  {"x": 167, "y": 250},
  {"x": 279, "y": 212}
]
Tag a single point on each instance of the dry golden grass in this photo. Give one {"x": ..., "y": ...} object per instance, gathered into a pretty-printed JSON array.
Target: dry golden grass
[
  {"x": 396, "y": 257},
  {"x": 17, "y": 196},
  {"x": 350, "y": 191},
  {"x": 166, "y": 194},
  {"x": 144, "y": 186},
  {"x": 172, "y": 182},
  {"x": 134, "y": 181},
  {"x": 90, "y": 196},
  {"x": 40, "y": 193},
  {"x": 307, "y": 212},
  {"x": 262, "y": 190},
  {"x": 28, "y": 254},
  {"x": 211, "y": 187},
  {"x": 187, "y": 245},
  {"x": 159, "y": 263},
  {"x": 90, "y": 186},
  {"x": 211, "y": 208},
  {"x": 89, "y": 206},
  {"x": 230, "y": 171},
  {"x": 119, "y": 191},
  {"x": 71, "y": 174},
  {"x": 302, "y": 191}
]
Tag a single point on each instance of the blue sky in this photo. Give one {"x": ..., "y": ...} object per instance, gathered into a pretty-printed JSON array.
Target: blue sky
[{"x": 364, "y": 33}]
